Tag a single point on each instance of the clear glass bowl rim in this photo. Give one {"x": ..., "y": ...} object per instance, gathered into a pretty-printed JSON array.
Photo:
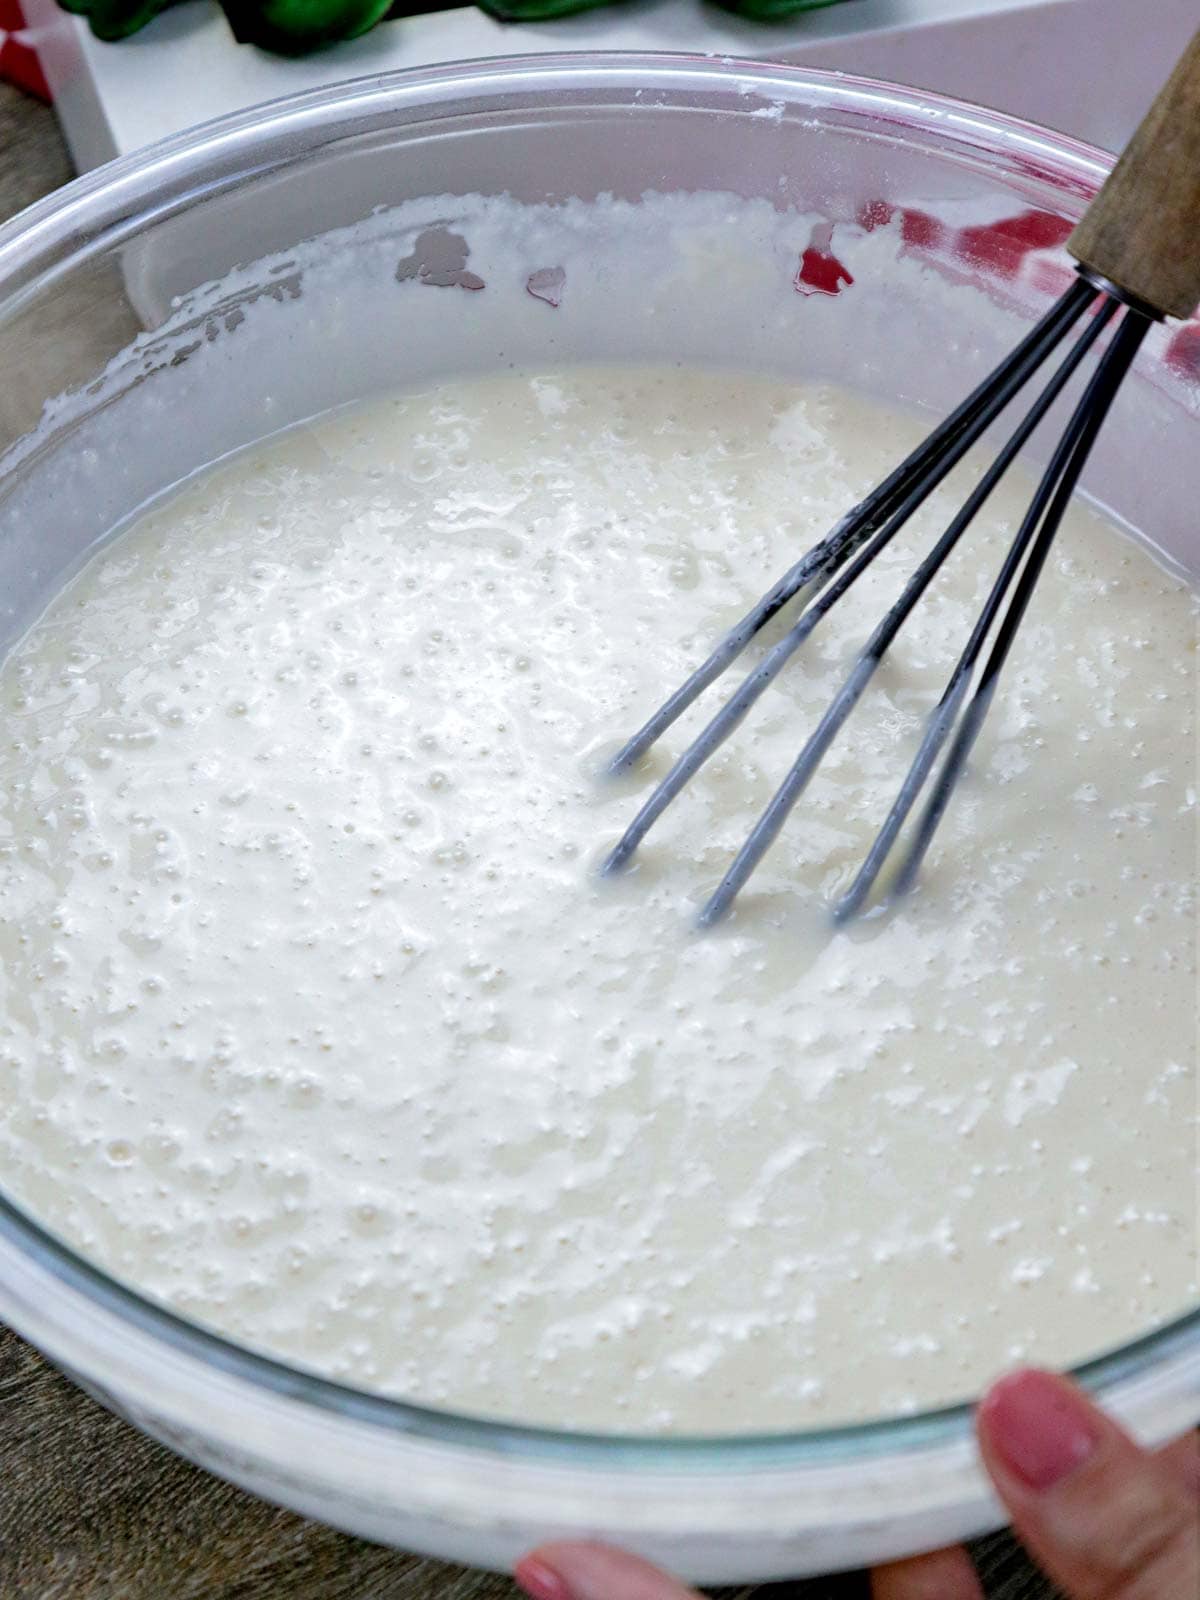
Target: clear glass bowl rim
[{"x": 96, "y": 211}]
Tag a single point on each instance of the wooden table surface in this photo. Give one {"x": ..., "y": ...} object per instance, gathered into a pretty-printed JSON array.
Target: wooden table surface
[{"x": 92, "y": 1510}]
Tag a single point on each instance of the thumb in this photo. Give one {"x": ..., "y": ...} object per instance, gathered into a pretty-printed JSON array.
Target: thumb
[
  {"x": 588, "y": 1571},
  {"x": 1106, "y": 1519}
]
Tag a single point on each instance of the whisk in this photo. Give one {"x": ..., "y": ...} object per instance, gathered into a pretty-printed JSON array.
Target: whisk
[{"x": 1138, "y": 255}]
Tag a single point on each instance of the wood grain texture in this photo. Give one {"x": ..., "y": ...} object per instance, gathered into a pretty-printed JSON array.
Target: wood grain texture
[
  {"x": 92, "y": 1510},
  {"x": 1143, "y": 229},
  {"x": 69, "y": 334}
]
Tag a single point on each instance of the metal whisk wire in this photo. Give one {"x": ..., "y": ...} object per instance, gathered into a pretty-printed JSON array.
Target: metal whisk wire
[
  {"x": 1050, "y": 502},
  {"x": 858, "y": 523},
  {"x": 858, "y": 539}
]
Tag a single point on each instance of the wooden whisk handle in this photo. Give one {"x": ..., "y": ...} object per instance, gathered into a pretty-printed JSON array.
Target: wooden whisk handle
[{"x": 1142, "y": 231}]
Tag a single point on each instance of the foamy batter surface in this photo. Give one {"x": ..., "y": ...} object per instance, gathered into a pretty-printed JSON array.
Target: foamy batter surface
[{"x": 316, "y": 1024}]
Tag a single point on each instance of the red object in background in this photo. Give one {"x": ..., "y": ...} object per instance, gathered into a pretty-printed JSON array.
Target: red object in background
[
  {"x": 1003, "y": 246},
  {"x": 921, "y": 231},
  {"x": 820, "y": 271},
  {"x": 1183, "y": 352},
  {"x": 1018, "y": 246},
  {"x": 18, "y": 59},
  {"x": 1051, "y": 277},
  {"x": 19, "y": 64},
  {"x": 1025, "y": 246},
  {"x": 875, "y": 214}
]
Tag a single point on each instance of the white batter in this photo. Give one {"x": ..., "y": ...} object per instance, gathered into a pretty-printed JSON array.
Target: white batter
[{"x": 317, "y": 1025}]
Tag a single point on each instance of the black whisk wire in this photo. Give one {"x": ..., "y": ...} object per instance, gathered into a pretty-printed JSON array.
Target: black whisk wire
[
  {"x": 1081, "y": 436},
  {"x": 862, "y": 535},
  {"x": 925, "y": 466},
  {"x": 773, "y": 818}
]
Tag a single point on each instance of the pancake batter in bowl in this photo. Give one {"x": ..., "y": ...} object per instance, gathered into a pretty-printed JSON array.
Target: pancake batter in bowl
[{"x": 317, "y": 1025}]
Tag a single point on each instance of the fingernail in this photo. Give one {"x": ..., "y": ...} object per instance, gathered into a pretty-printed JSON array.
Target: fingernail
[
  {"x": 1041, "y": 1428},
  {"x": 539, "y": 1581}
]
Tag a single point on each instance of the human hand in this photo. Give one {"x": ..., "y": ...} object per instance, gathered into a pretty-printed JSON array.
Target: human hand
[{"x": 1105, "y": 1519}]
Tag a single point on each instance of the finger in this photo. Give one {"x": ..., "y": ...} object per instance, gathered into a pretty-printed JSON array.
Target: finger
[
  {"x": 1107, "y": 1520},
  {"x": 945, "y": 1575},
  {"x": 1183, "y": 1458},
  {"x": 587, "y": 1571}
]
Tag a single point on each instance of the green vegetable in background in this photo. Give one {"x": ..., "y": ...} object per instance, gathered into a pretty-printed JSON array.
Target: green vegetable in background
[
  {"x": 536, "y": 10},
  {"x": 772, "y": 10},
  {"x": 115, "y": 19},
  {"x": 296, "y": 27}
]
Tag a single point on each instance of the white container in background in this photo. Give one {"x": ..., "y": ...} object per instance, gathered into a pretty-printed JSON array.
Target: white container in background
[{"x": 1086, "y": 67}]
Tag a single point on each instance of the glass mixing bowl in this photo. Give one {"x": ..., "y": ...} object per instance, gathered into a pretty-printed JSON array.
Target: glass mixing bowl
[{"x": 121, "y": 292}]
